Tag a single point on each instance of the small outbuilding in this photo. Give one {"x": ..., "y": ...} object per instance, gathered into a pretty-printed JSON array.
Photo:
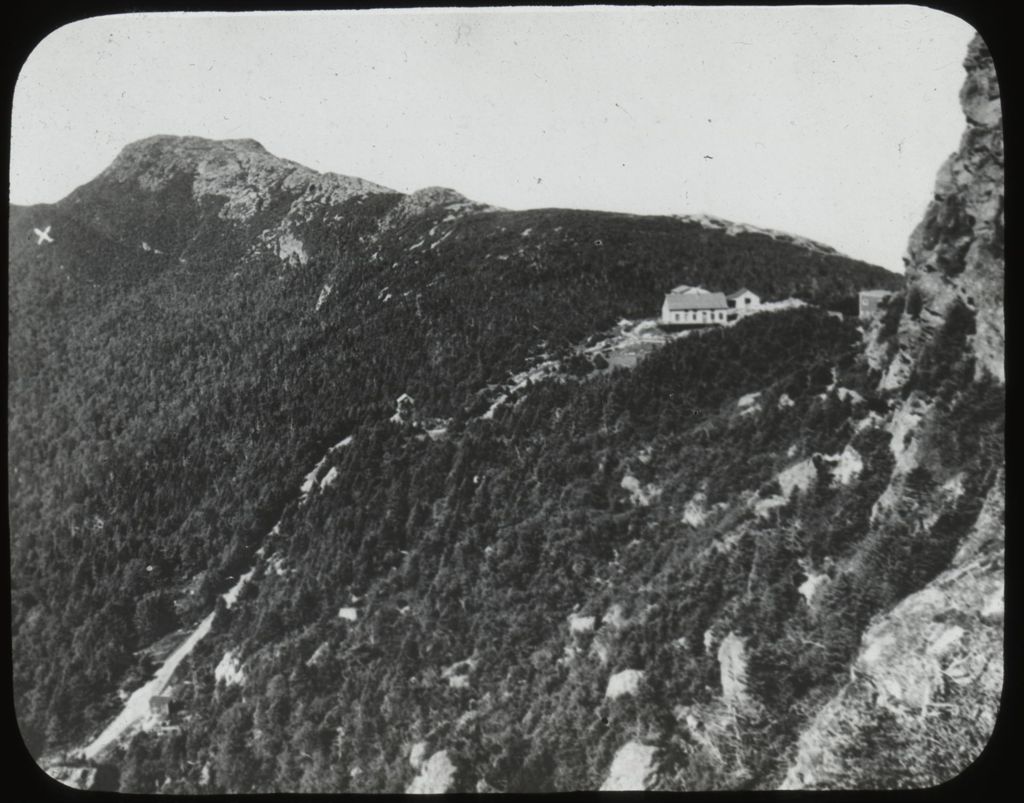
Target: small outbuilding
[
  {"x": 743, "y": 300},
  {"x": 870, "y": 301},
  {"x": 162, "y": 707}
]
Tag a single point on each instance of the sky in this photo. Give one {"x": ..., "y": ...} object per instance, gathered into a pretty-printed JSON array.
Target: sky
[{"x": 829, "y": 122}]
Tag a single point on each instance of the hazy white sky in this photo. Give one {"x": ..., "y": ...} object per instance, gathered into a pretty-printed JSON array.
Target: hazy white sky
[{"x": 829, "y": 122}]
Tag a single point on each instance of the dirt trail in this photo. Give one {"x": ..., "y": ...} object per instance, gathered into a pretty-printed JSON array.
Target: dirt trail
[
  {"x": 136, "y": 714},
  {"x": 136, "y": 707}
]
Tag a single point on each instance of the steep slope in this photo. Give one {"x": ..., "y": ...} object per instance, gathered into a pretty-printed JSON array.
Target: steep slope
[
  {"x": 209, "y": 320},
  {"x": 955, "y": 256},
  {"x": 925, "y": 687},
  {"x": 929, "y": 672}
]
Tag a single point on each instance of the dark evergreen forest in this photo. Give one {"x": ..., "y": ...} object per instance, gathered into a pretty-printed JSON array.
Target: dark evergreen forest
[{"x": 166, "y": 403}]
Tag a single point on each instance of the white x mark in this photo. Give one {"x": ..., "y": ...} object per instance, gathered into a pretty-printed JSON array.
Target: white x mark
[{"x": 44, "y": 235}]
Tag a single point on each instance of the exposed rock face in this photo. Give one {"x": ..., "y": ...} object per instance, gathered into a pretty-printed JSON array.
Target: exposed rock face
[
  {"x": 436, "y": 196},
  {"x": 812, "y": 584},
  {"x": 847, "y": 467},
  {"x": 630, "y": 768},
  {"x": 931, "y": 670},
  {"x": 956, "y": 252},
  {"x": 441, "y": 198},
  {"x": 906, "y": 644},
  {"x": 732, "y": 662},
  {"x": 800, "y": 476},
  {"x": 733, "y": 228},
  {"x": 639, "y": 494},
  {"x": 230, "y": 670},
  {"x": 624, "y": 683},
  {"x": 695, "y": 513},
  {"x": 186, "y": 196},
  {"x": 902, "y": 427},
  {"x": 240, "y": 173},
  {"x": 436, "y": 776},
  {"x": 581, "y": 624},
  {"x": 417, "y": 753}
]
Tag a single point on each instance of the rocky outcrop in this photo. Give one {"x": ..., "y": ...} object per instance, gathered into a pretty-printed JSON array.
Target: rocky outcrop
[
  {"x": 436, "y": 776},
  {"x": 929, "y": 672},
  {"x": 189, "y": 196},
  {"x": 924, "y": 688},
  {"x": 240, "y": 174},
  {"x": 733, "y": 228},
  {"x": 581, "y": 624},
  {"x": 442, "y": 199},
  {"x": 630, "y": 768},
  {"x": 624, "y": 683},
  {"x": 230, "y": 670},
  {"x": 800, "y": 476},
  {"x": 732, "y": 662},
  {"x": 956, "y": 252},
  {"x": 695, "y": 513},
  {"x": 417, "y": 753}
]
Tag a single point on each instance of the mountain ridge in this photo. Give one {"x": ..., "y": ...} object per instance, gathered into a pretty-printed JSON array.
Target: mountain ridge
[
  {"x": 424, "y": 536},
  {"x": 247, "y": 177}
]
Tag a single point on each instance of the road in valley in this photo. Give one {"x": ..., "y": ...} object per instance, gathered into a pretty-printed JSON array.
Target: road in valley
[{"x": 136, "y": 707}]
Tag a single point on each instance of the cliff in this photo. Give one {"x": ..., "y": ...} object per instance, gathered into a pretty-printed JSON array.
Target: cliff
[
  {"x": 924, "y": 688},
  {"x": 955, "y": 255}
]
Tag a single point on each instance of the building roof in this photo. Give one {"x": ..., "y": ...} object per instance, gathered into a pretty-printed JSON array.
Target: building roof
[
  {"x": 161, "y": 704},
  {"x": 681, "y": 289},
  {"x": 740, "y": 292},
  {"x": 687, "y": 301},
  {"x": 875, "y": 293}
]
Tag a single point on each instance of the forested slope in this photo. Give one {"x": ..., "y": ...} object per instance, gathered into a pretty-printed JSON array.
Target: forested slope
[{"x": 209, "y": 320}]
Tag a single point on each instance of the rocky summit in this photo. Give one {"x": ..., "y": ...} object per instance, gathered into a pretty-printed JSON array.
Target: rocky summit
[{"x": 316, "y": 486}]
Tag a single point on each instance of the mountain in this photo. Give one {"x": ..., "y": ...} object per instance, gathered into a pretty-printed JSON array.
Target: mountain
[
  {"x": 929, "y": 672},
  {"x": 317, "y": 486}
]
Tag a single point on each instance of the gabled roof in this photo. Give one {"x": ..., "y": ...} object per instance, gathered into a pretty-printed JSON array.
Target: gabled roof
[
  {"x": 876, "y": 293},
  {"x": 740, "y": 292},
  {"x": 688, "y": 301}
]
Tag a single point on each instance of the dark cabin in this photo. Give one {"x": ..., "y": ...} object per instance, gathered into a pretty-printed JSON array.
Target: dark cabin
[{"x": 162, "y": 707}]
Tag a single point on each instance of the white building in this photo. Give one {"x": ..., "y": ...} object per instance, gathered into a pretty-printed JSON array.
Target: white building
[
  {"x": 695, "y": 306},
  {"x": 743, "y": 300}
]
